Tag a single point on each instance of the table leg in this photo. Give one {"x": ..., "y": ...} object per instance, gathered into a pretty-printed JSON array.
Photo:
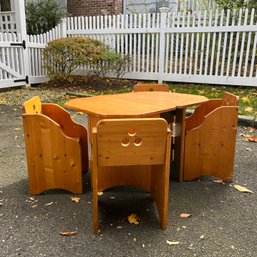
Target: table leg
[{"x": 179, "y": 144}]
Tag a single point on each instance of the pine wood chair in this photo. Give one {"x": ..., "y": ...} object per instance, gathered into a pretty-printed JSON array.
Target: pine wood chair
[
  {"x": 56, "y": 148},
  {"x": 210, "y": 139},
  {"x": 132, "y": 152},
  {"x": 139, "y": 87}
]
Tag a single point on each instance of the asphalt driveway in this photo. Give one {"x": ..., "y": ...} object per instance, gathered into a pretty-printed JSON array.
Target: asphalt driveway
[{"x": 223, "y": 221}]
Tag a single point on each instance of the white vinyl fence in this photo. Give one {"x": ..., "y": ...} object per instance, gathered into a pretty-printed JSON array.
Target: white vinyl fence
[
  {"x": 7, "y": 22},
  {"x": 204, "y": 47}
]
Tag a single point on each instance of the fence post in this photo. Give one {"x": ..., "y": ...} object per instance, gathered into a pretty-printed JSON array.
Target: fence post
[
  {"x": 63, "y": 25},
  {"x": 19, "y": 6},
  {"x": 163, "y": 11}
]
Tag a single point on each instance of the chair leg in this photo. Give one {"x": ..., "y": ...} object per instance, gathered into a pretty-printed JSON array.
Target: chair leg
[
  {"x": 95, "y": 213},
  {"x": 160, "y": 195}
]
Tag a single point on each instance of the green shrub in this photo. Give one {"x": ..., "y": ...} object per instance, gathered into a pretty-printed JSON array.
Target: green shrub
[
  {"x": 63, "y": 56},
  {"x": 111, "y": 61},
  {"x": 42, "y": 16}
]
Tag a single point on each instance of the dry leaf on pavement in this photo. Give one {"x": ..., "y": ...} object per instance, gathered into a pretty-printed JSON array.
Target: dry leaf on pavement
[
  {"x": 68, "y": 233},
  {"x": 252, "y": 139},
  {"x": 172, "y": 242},
  {"x": 185, "y": 215},
  {"x": 33, "y": 200},
  {"x": 219, "y": 181},
  {"x": 242, "y": 189},
  {"x": 48, "y": 204},
  {"x": 75, "y": 199},
  {"x": 133, "y": 219}
]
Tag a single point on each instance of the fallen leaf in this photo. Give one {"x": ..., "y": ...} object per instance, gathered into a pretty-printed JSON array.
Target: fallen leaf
[
  {"x": 172, "y": 242},
  {"x": 3, "y": 102},
  {"x": 242, "y": 189},
  {"x": 248, "y": 109},
  {"x": 245, "y": 99},
  {"x": 133, "y": 219},
  {"x": 184, "y": 215},
  {"x": 34, "y": 206},
  {"x": 68, "y": 233},
  {"x": 31, "y": 199},
  {"x": 48, "y": 204},
  {"x": 17, "y": 129},
  {"x": 100, "y": 193},
  {"x": 250, "y": 129},
  {"x": 219, "y": 181},
  {"x": 75, "y": 199},
  {"x": 252, "y": 139},
  {"x": 202, "y": 236},
  {"x": 80, "y": 113}
]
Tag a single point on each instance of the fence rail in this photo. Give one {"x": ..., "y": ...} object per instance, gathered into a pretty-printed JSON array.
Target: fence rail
[{"x": 203, "y": 47}]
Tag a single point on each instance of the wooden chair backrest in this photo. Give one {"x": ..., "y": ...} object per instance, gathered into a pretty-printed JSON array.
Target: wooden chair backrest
[
  {"x": 229, "y": 99},
  {"x": 124, "y": 142},
  {"x": 151, "y": 87},
  {"x": 32, "y": 106},
  {"x": 207, "y": 108}
]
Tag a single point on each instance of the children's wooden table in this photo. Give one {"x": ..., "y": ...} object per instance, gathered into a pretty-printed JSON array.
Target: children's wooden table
[{"x": 141, "y": 104}]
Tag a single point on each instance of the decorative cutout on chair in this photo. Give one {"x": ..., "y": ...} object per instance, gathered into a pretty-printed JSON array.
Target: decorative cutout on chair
[
  {"x": 132, "y": 132},
  {"x": 137, "y": 141},
  {"x": 125, "y": 142}
]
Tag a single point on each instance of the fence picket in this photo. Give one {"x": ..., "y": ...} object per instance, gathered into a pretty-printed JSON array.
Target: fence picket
[
  {"x": 213, "y": 43},
  {"x": 224, "y": 45},
  {"x": 242, "y": 45},
  {"x": 192, "y": 48},
  {"x": 248, "y": 43},
  {"x": 219, "y": 45},
  {"x": 187, "y": 43},
  {"x": 203, "y": 47},
  {"x": 236, "y": 45},
  {"x": 182, "y": 44},
  {"x": 202, "y": 44}
]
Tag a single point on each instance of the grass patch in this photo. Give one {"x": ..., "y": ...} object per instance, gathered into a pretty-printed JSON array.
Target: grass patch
[{"x": 247, "y": 95}]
